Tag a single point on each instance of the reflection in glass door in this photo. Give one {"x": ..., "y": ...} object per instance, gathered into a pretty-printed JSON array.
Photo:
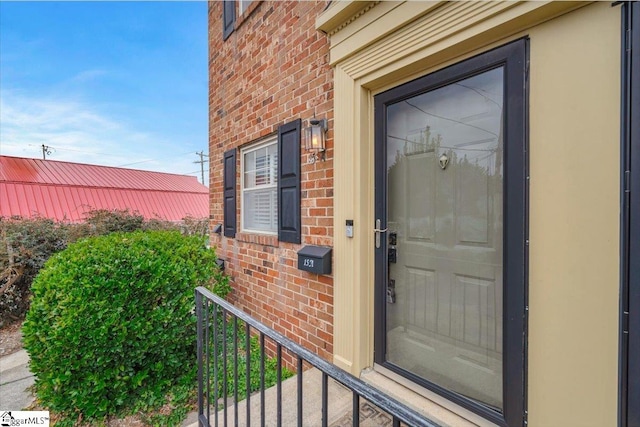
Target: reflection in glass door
[{"x": 445, "y": 226}]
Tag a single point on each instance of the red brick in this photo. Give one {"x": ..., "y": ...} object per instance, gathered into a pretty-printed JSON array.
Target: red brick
[{"x": 274, "y": 69}]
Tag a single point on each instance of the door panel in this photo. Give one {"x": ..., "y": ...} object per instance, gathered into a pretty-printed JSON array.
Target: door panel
[{"x": 451, "y": 200}]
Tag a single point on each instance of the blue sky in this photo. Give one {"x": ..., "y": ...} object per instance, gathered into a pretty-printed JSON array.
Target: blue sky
[{"x": 109, "y": 83}]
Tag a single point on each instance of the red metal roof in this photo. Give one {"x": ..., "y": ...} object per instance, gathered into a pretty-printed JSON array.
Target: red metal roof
[{"x": 66, "y": 191}]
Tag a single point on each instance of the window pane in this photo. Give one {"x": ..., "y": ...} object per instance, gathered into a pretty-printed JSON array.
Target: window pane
[
  {"x": 260, "y": 188},
  {"x": 263, "y": 167},
  {"x": 244, "y": 5},
  {"x": 260, "y": 208},
  {"x": 273, "y": 155},
  {"x": 249, "y": 169}
]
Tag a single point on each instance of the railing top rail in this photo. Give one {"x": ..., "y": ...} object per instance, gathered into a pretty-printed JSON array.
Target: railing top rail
[{"x": 375, "y": 396}]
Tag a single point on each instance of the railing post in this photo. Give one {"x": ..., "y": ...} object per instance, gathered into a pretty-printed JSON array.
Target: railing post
[
  {"x": 207, "y": 356},
  {"x": 199, "y": 350},
  {"x": 236, "y": 347},
  {"x": 279, "y": 383},
  {"x": 216, "y": 384},
  {"x": 262, "y": 403},
  {"x": 356, "y": 409},
  {"x": 325, "y": 399},
  {"x": 300, "y": 391},
  {"x": 225, "y": 380},
  {"x": 247, "y": 353}
]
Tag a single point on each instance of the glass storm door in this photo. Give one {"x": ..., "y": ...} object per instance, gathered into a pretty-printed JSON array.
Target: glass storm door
[{"x": 440, "y": 274}]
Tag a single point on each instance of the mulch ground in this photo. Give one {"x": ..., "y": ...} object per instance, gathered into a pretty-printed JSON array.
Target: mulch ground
[{"x": 10, "y": 339}]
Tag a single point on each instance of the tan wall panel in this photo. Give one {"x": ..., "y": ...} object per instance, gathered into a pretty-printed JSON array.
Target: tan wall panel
[
  {"x": 345, "y": 248},
  {"x": 574, "y": 224}
]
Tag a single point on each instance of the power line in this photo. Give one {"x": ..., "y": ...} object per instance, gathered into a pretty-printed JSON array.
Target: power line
[
  {"x": 136, "y": 163},
  {"x": 47, "y": 150},
  {"x": 450, "y": 119},
  {"x": 76, "y": 151},
  {"x": 193, "y": 172},
  {"x": 152, "y": 160}
]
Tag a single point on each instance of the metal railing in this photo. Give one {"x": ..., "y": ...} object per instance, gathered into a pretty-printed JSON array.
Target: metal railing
[{"x": 215, "y": 340}]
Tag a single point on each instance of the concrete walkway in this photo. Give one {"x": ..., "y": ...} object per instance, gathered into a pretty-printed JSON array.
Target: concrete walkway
[
  {"x": 15, "y": 378},
  {"x": 339, "y": 404}
]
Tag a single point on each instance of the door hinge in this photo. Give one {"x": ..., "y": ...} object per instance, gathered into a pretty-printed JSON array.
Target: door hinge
[
  {"x": 627, "y": 181},
  {"x": 628, "y": 41},
  {"x": 625, "y": 322}
]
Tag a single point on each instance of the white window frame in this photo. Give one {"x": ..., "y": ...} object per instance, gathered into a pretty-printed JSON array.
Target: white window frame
[
  {"x": 243, "y": 5},
  {"x": 271, "y": 186}
]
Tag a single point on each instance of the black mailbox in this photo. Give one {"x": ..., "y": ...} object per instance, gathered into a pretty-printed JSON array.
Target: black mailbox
[{"x": 315, "y": 259}]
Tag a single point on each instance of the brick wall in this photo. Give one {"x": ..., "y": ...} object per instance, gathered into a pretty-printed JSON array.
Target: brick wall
[{"x": 273, "y": 69}]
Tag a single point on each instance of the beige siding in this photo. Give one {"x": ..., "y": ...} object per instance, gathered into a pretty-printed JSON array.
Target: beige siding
[
  {"x": 574, "y": 200},
  {"x": 575, "y": 157}
]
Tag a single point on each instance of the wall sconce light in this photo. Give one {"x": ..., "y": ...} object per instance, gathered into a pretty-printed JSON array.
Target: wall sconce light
[{"x": 316, "y": 139}]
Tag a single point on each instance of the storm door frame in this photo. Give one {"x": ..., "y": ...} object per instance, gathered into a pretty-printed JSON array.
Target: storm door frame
[
  {"x": 514, "y": 57},
  {"x": 629, "y": 371}
]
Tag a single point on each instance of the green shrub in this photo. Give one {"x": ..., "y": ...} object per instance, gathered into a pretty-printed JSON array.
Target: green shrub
[
  {"x": 104, "y": 221},
  {"x": 111, "y": 327},
  {"x": 270, "y": 366},
  {"x": 25, "y": 245}
]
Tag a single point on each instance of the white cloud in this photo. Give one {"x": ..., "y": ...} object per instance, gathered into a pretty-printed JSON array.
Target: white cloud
[
  {"x": 88, "y": 75},
  {"x": 78, "y": 132}
]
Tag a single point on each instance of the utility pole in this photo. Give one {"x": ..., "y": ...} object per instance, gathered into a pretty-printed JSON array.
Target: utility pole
[
  {"x": 45, "y": 150},
  {"x": 202, "y": 161}
]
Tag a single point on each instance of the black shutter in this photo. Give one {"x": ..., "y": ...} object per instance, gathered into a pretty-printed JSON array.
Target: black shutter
[
  {"x": 228, "y": 17},
  {"x": 289, "y": 222},
  {"x": 229, "y": 190}
]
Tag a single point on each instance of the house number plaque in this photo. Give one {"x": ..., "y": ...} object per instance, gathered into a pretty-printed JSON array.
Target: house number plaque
[{"x": 315, "y": 259}]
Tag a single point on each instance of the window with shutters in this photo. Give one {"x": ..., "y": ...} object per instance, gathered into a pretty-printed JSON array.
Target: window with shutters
[
  {"x": 260, "y": 187},
  {"x": 232, "y": 15},
  {"x": 269, "y": 186},
  {"x": 228, "y": 18}
]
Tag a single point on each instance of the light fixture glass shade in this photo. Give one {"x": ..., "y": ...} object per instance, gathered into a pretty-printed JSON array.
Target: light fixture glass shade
[{"x": 315, "y": 140}]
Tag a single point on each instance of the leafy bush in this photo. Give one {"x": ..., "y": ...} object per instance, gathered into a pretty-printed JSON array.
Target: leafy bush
[
  {"x": 270, "y": 366},
  {"x": 25, "y": 245},
  {"x": 105, "y": 221},
  {"x": 111, "y": 326}
]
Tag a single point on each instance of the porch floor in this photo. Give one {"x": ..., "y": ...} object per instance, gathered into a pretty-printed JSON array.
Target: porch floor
[{"x": 339, "y": 404}]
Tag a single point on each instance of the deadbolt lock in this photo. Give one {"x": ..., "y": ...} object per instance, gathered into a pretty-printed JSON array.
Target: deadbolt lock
[
  {"x": 393, "y": 238},
  {"x": 393, "y": 255}
]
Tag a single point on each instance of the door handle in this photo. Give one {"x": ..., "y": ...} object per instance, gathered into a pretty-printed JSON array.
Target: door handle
[{"x": 378, "y": 231}]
